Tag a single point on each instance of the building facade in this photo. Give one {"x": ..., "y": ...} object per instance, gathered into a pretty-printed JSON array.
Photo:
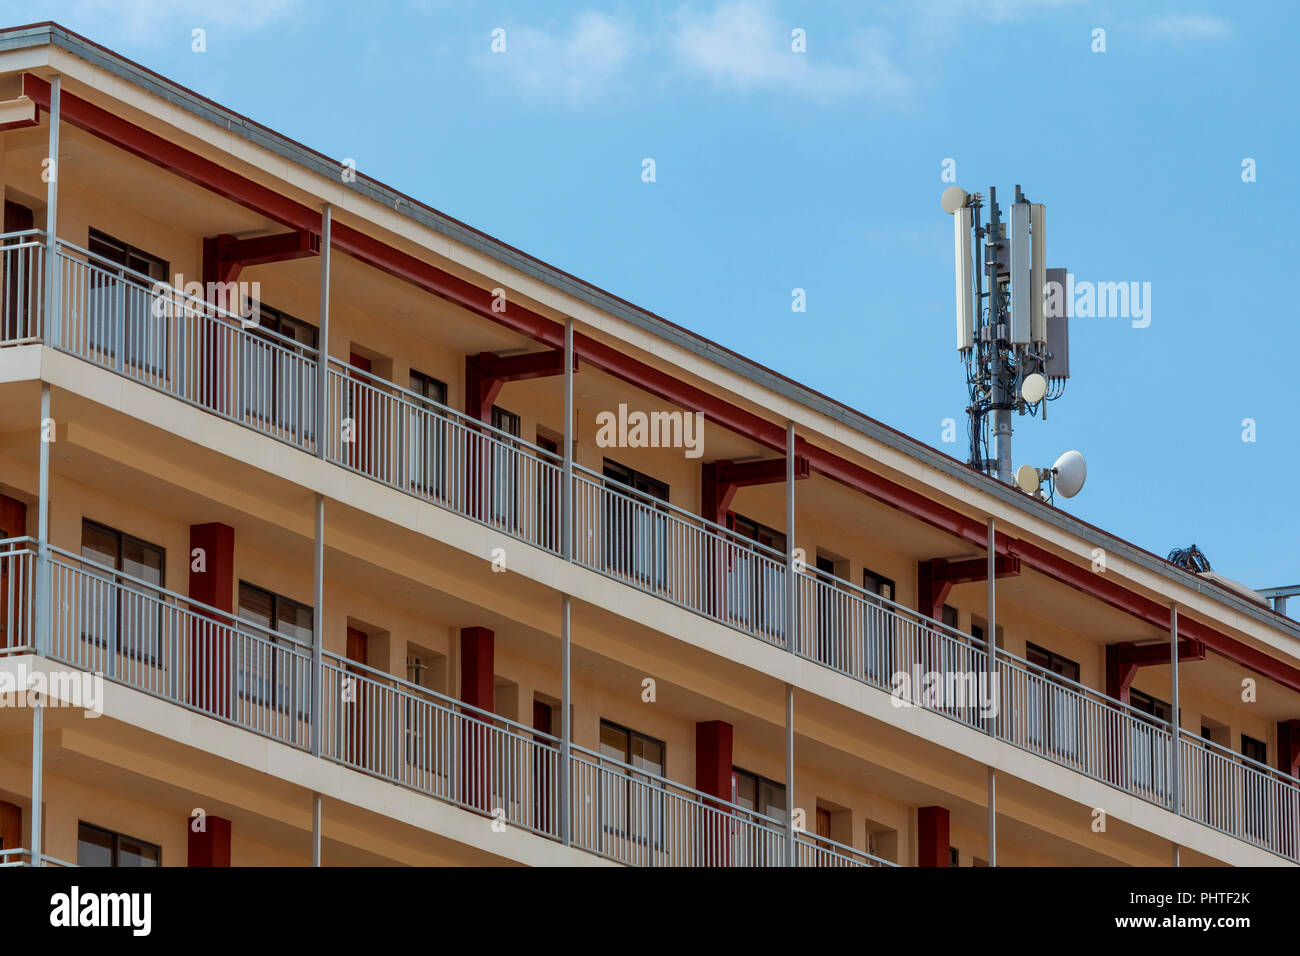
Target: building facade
[{"x": 335, "y": 531}]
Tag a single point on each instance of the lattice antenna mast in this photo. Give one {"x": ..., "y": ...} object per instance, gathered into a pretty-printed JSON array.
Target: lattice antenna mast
[{"x": 1012, "y": 320}]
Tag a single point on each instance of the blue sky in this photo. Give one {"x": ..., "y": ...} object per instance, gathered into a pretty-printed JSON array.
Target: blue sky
[{"x": 822, "y": 171}]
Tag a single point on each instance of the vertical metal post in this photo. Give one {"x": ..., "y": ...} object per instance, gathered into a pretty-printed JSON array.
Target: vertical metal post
[
  {"x": 315, "y": 828},
  {"x": 993, "y": 817},
  {"x": 992, "y": 662},
  {"x": 44, "y": 610},
  {"x": 566, "y": 491},
  {"x": 38, "y": 790},
  {"x": 566, "y": 549},
  {"x": 1177, "y": 856},
  {"x": 566, "y": 836},
  {"x": 1175, "y": 768},
  {"x": 317, "y": 625},
  {"x": 789, "y": 775},
  {"x": 323, "y": 347},
  {"x": 51, "y": 335},
  {"x": 791, "y": 593}
]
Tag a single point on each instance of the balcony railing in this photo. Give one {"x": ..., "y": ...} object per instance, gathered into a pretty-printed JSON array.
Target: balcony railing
[
  {"x": 207, "y": 357},
  {"x": 21, "y": 856}
]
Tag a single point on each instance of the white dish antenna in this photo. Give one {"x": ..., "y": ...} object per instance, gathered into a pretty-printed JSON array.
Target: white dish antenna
[
  {"x": 1070, "y": 472},
  {"x": 1033, "y": 388},
  {"x": 953, "y": 198},
  {"x": 1027, "y": 479}
]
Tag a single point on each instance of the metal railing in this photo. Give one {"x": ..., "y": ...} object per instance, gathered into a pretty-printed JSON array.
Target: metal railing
[
  {"x": 17, "y": 592},
  {"x": 211, "y": 358},
  {"x": 412, "y": 736},
  {"x": 425, "y": 449},
  {"x": 22, "y": 286},
  {"x": 155, "y": 334},
  {"x": 173, "y": 647},
  {"x": 680, "y": 557},
  {"x": 1239, "y": 796},
  {"x": 21, "y": 856}
]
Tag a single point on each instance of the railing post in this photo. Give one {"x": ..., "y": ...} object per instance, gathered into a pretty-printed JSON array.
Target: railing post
[
  {"x": 323, "y": 337},
  {"x": 317, "y": 624},
  {"x": 790, "y": 620},
  {"x": 789, "y": 775},
  {"x": 51, "y": 334},
  {"x": 43, "y": 610},
  {"x": 992, "y": 662},
  {"x": 566, "y": 550},
  {"x": 566, "y": 832},
  {"x": 790, "y": 589},
  {"x": 1174, "y": 756},
  {"x": 566, "y": 490}
]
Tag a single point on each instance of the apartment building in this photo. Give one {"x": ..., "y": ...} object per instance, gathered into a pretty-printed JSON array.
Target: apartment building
[{"x": 395, "y": 545}]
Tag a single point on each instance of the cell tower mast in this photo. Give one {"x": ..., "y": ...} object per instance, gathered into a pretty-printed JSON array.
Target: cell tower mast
[{"x": 1012, "y": 338}]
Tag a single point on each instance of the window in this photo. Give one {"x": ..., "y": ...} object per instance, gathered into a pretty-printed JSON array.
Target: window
[
  {"x": 99, "y": 847},
  {"x": 262, "y": 676},
  {"x": 632, "y": 806},
  {"x": 762, "y": 796},
  {"x": 949, "y": 616},
  {"x": 1150, "y": 741},
  {"x": 1253, "y": 785},
  {"x": 878, "y": 630},
  {"x": 124, "y": 612},
  {"x": 1053, "y": 711},
  {"x": 277, "y": 383},
  {"x": 755, "y": 588},
  {"x": 119, "y": 304},
  {"x": 954, "y": 858},
  {"x": 505, "y": 469},
  {"x": 426, "y": 437},
  {"x": 834, "y": 616},
  {"x": 757, "y": 793},
  {"x": 635, "y": 526}
]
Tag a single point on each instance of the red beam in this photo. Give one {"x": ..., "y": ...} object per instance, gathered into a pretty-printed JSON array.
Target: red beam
[
  {"x": 518, "y": 368},
  {"x": 974, "y": 569},
  {"x": 252, "y": 195},
  {"x": 1153, "y": 655},
  {"x": 259, "y": 250}
]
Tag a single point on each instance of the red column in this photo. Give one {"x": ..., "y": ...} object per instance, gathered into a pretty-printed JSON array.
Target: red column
[
  {"x": 713, "y": 742},
  {"x": 212, "y": 582},
  {"x": 476, "y": 673},
  {"x": 211, "y": 847},
  {"x": 932, "y": 836},
  {"x": 216, "y": 338}
]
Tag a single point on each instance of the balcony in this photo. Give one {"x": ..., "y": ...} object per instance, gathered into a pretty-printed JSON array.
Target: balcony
[
  {"x": 198, "y": 657},
  {"x": 173, "y": 648}
]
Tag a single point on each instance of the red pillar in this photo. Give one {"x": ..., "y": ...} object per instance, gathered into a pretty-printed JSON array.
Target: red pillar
[
  {"x": 476, "y": 673},
  {"x": 216, "y": 338},
  {"x": 713, "y": 742},
  {"x": 212, "y": 582},
  {"x": 211, "y": 847},
  {"x": 932, "y": 836}
]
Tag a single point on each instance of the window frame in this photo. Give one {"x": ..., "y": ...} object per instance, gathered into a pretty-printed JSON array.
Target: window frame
[
  {"x": 136, "y": 650},
  {"x": 116, "y": 850},
  {"x": 277, "y": 637},
  {"x": 109, "y": 249},
  {"x": 627, "y": 831}
]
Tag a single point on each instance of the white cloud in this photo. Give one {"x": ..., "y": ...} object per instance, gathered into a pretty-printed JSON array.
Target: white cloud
[
  {"x": 577, "y": 64},
  {"x": 742, "y": 45},
  {"x": 1186, "y": 28}
]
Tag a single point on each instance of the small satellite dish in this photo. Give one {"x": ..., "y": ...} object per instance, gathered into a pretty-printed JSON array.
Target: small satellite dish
[
  {"x": 953, "y": 198},
  {"x": 1027, "y": 479},
  {"x": 1071, "y": 472},
  {"x": 1033, "y": 388}
]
